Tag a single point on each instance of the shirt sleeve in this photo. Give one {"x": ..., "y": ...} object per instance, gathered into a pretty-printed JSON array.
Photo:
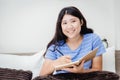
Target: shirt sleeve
[
  {"x": 97, "y": 43},
  {"x": 50, "y": 53}
]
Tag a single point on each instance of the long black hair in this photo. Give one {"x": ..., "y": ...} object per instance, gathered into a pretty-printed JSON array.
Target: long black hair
[{"x": 71, "y": 10}]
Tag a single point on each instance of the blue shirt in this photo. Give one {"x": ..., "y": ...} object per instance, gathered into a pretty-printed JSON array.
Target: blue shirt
[{"x": 89, "y": 42}]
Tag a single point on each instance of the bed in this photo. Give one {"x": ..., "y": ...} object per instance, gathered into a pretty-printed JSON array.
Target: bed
[{"x": 34, "y": 62}]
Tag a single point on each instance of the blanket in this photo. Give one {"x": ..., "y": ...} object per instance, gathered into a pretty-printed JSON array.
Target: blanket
[
  {"x": 96, "y": 75},
  {"x": 13, "y": 74}
]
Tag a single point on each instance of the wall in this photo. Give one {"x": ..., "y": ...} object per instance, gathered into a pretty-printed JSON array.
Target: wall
[
  {"x": 117, "y": 23},
  {"x": 28, "y": 25}
]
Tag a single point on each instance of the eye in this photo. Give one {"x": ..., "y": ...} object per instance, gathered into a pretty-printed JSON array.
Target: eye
[
  {"x": 64, "y": 23},
  {"x": 73, "y": 21}
]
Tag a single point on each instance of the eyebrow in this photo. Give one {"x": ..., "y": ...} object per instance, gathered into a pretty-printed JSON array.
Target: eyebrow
[{"x": 71, "y": 19}]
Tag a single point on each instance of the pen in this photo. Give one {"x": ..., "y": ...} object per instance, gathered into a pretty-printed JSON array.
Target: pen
[{"x": 60, "y": 52}]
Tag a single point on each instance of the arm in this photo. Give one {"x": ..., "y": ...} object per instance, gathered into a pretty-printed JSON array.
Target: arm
[
  {"x": 48, "y": 65},
  {"x": 96, "y": 66}
]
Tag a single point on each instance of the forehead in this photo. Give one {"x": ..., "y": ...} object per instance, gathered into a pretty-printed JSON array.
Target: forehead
[{"x": 69, "y": 17}]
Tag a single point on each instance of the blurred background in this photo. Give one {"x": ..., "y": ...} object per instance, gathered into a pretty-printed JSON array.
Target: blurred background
[{"x": 27, "y": 26}]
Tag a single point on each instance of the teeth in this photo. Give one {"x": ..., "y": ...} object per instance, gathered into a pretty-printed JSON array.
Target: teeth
[{"x": 70, "y": 31}]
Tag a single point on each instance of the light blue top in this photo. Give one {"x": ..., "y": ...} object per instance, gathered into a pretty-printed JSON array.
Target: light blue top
[{"x": 89, "y": 42}]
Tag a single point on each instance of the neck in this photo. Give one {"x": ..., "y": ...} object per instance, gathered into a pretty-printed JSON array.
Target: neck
[{"x": 74, "y": 40}]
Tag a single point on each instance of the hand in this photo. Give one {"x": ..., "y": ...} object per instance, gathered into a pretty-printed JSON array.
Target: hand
[
  {"x": 76, "y": 68},
  {"x": 62, "y": 60}
]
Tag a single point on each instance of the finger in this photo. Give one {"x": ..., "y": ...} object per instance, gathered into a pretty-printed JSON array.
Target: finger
[
  {"x": 68, "y": 69},
  {"x": 74, "y": 66},
  {"x": 81, "y": 64},
  {"x": 68, "y": 56}
]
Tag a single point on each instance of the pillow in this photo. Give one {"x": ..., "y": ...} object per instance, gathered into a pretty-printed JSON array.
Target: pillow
[
  {"x": 96, "y": 75},
  {"x": 24, "y": 62},
  {"x": 109, "y": 59},
  {"x": 13, "y": 74}
]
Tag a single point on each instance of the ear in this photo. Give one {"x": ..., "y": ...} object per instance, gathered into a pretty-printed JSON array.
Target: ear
[{"x": 81, "y": 22}]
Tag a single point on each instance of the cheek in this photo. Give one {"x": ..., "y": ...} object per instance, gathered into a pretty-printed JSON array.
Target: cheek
[
  {"x": 78, "y": 29},
  {"x": 63, "y": 29}
]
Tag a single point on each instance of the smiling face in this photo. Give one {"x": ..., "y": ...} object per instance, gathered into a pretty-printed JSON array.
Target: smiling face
[{"x": 71, "y": 26}]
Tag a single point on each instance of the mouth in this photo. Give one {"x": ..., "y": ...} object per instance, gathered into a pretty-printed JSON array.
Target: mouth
[{"x": 71, "y": 31}]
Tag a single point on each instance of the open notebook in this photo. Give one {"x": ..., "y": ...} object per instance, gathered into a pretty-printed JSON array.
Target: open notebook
[{"x": 87, "y": 57}]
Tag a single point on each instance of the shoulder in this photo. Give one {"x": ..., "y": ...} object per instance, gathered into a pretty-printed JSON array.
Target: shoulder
[
  {"x": 92, "y": 36},
  {"x": 59, "y": 43}
]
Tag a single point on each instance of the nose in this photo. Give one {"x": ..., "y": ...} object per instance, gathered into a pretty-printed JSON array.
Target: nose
[{"x": 69, "y": 25}]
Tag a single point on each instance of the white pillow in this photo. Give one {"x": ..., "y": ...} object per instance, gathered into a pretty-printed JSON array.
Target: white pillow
[
  {"x": 109, "y": 59},
  {"x": 32, "y": 63}
]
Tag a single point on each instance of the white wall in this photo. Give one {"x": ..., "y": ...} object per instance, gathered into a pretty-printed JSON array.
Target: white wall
[
  {"x": 117, "y": 23},
  {"x": 28, "y": 25}
]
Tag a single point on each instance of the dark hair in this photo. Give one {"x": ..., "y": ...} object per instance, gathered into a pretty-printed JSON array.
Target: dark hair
[{"x": 59, "y": 34}]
